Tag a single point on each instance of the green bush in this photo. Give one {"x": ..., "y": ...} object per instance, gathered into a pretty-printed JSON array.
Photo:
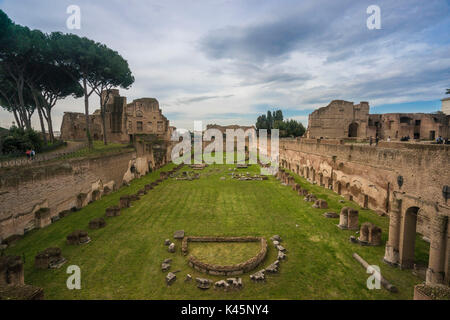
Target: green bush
[{"x": 19, "y": 140}]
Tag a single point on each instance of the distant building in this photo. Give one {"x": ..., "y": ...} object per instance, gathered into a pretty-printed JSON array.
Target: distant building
[
  {"x": 343, "y": 119},
  {"x": 446, "y": 106},
  {"x": 124, "y": 122}
]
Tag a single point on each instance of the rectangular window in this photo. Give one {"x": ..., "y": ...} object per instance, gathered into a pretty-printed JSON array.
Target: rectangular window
[
  {"x": 160, "y": 126},
  {"x": 139, "y": 125}
]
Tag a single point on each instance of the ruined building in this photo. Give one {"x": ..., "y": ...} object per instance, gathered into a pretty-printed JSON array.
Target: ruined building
[
  {"x": 124, "y": 122},
  {"x": 343, "y": 119}
]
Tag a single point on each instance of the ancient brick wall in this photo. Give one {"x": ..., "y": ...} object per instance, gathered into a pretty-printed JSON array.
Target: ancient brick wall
[
  {"x": 59, "y": 186},
  {"x": 370, "y": 175}
]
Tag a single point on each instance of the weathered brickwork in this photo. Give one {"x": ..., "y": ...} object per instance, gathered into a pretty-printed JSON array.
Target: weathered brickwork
[
  {"x": 343, "y": 119},
  {"x": 27, "y": 192},
  {"x": 406, "y": 182}
]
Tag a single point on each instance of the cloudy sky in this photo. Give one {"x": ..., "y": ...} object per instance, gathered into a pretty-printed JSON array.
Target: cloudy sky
[{"x": 226, "y": 61}]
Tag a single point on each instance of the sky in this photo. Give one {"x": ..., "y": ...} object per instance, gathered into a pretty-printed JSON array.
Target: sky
[{"x": 227, "y": 61}]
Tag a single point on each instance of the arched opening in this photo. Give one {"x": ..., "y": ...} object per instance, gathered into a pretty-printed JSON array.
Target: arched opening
[
  {"x": 353, "y": 130},
  {"x": 320, "y": 179},
  {"x": 339, "y": 188},
  {"x": 366, "y": 201},
  {"x": 307, "y": 172},
  {"x": 414, "y": 249}
]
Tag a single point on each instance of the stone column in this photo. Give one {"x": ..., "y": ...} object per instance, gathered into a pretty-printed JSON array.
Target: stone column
[
  {"x": 391, "y": 254},
  {"x": 436, "y": 264}
]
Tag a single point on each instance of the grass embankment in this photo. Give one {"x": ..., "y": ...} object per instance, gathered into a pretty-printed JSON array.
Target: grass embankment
[{"x": 123, "y": 260}]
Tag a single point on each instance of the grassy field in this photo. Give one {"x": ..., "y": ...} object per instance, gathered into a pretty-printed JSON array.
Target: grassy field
[{"x": 123, "y": 260}]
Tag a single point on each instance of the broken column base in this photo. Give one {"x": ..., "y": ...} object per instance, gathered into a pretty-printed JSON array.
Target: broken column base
[
  {"x": 391, "y": 256},
  {"x": 433, "y": 277}
]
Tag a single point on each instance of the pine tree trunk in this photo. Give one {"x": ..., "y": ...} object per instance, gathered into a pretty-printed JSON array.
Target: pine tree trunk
[{"x": 86, "y": 110}]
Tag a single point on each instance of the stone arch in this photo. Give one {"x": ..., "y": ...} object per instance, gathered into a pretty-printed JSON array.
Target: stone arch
[
  {"x": 408, "y": 238},
  {"x": 353, "y": 130}
]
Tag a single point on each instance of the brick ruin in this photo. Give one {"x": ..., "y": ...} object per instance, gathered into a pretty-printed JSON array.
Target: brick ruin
[
  {"x": 344, "y": 119},
  {"x": 123, "y": 121},
  {"x": 405, "y": 181}
]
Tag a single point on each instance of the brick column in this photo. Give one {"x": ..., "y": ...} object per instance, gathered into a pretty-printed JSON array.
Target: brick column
[
  {"x": 391, "y": 254},
  {"x": 436, "y": 264}
]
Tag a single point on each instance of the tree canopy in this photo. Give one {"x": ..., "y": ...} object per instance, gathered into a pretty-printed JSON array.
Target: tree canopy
[
  {"x": 38, "y": 69},
  {"x": 275, "y": 120}
]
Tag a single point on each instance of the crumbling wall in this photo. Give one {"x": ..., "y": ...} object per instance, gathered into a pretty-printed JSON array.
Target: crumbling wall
[
  {"x": 58, "y": 186},
  {"x": 370, "y": 175}
]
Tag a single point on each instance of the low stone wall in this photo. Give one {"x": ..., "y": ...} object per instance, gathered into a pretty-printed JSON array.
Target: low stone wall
[{"x": 225, "y": 270}]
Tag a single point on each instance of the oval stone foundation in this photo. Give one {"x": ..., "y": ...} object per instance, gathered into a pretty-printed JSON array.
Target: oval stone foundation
[{"x": 225, "y": 270}]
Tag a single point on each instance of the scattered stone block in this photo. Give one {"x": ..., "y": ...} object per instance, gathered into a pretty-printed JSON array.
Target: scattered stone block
[
  {"x": 97, "y": 223},
  {"x": 188, "y": 278},
  {"x": 11, "y": 271},
  {"x": 165, "y": 267},
  {"x": 331, "y": 215},
  {"x": 50, "y": 258},
  {"x": 320, "y": 204},
  {"x": 171, "y": 248},
  {"x": 170, "y": 278},
  {"x": 125, "y": 202},
  {"x": 179, "y": 234},
  {"x": 281, "y": 248},
  {"x": 113, "y": 211},
  {"x": 167, "y": 242},
  {"x": 276, "y": 238},
  {"x": 78, "y": 237},
  {"x": 258, "y": 276},
  {"x": 276, "y": 243},
  {"x": 221, "y": 284},
  {"x": 167, "y": 260},
  {"x": 273, "y": 268},
  {"x": 203, "y": 283},
  {"x": 281, "y": 255},
  {"x": 310, "y": 198}
]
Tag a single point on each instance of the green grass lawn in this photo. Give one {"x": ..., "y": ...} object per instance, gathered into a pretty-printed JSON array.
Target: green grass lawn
[
  {"x": 123, "y": 260},
  {"x": 224, "y": 253}
]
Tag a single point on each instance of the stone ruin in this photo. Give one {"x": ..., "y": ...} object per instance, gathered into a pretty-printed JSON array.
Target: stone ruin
[
  {"x": 369, "y": 234},
  {"x": 97, "y": 223},
  {"x": 125, "y": 202},
  {"x": 187, "y": 175},
  {"x": 78, "y": 237},
  {"x": 310, "y": 198},
  {"x": 11, "y": 271},
  {"x": 331, "y": 215},
  {"x": 50, "y": 258},
  {"x": 348, "y": 219},
  {"x": 12, "y": 283},
  {"x": 113, "y": 211},
  {"x": 320, "y": 204},
  {"x": 42, "y": 217},
  {"x": 229, "y": 283},
  {"x": 273, "y": 267},
  {"x": 248, "y": 176},
  {"x": 225, "y": 270}
]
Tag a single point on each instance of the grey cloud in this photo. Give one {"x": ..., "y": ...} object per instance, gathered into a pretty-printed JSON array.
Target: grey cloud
[{"x": 201, "y": 98}]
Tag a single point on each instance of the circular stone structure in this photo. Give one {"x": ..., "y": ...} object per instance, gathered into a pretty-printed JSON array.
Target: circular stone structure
[{"x": 225, "y": 270}]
